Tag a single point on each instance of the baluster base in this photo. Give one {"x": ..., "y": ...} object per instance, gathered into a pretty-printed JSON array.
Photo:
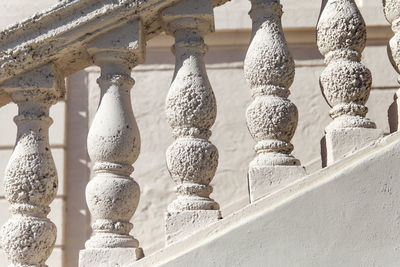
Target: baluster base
[
  {"x": 180, "y": 224},
  {"x": 95, "y": 257},
  {"x": 339, "y": 142},
  {"x": 267, "y": 179}
]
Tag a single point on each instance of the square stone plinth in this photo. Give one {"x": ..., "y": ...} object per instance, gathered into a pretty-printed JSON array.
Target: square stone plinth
[
  {"x": 109, "y": 257},
  {"x": 340, "y": 142},
  {"x": 181, "y": 224},
  {"x": 267, "y": 179}
]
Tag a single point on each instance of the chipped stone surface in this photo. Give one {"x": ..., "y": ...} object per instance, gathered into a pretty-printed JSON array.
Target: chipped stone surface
[
  {"x": 345, "y": 82},
  {"x": 42, "y": 38},
  {"x": 191, "y": 111},
  {"x": 269, "y": 71},
  {"x": 392, "y": 14},
  {"x": 271, "y": 117},
  {"x": 114, "y": 141},
  {"x": 30, "y": 182}
]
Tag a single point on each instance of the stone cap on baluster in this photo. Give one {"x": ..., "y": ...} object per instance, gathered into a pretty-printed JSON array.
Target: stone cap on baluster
[
  {"x": 126, "y": 43},
  {"x": 36, "y": 83},
  {"x": 190, "y": 13}
]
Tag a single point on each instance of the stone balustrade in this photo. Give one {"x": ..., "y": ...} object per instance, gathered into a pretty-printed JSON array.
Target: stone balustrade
[
  {"x": 30, "y": 180},
  {"x": 271, "y": 117},
  {"x": 346, "y": 83},
  {"x": 117, "y": 46},
  {"x": 191, "y": 111}
]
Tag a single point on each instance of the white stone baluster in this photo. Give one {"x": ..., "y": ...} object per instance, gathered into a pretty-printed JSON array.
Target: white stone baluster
[
  {"x": 191, "y": 111},
  {"x": 114, "y": 145},
  {"x": 271, "y": 118},
  {"x": 346, "y": 82},
  {"x": 30, "y": 182},
  {"x": 392, "y": 14}
]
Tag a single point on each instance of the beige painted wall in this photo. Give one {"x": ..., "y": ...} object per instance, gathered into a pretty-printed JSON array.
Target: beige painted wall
[{"x": 224, "y": 64}]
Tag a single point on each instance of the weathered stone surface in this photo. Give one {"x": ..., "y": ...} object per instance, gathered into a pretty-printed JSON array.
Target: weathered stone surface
[
  {"x": 114, "y": 145},
  {"x": 30, "y": 182},
  {"x": 191, "y": 111},
  {"x": 269, "y": 71},
  {"x": 271, "y": 117},
  {"x": 345, "y": 82},
  {"x": 42, "y": 38},
  {"x": 392, "y": 14}
]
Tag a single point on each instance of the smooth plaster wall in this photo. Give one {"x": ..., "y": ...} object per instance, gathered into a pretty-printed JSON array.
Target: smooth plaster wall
[{"x": 230, "y": 135}]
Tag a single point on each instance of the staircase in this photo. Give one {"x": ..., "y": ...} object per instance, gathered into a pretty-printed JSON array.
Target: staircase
[{"x": 342, "y": 215}]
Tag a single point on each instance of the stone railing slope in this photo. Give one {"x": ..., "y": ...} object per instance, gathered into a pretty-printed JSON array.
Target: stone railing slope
[
  {"x": 173, "y": 254},
  {"x": 60, "y": 34}
]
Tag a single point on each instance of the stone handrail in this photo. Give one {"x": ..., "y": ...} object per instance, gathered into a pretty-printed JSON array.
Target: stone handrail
[{"x": 37, "y": 54}]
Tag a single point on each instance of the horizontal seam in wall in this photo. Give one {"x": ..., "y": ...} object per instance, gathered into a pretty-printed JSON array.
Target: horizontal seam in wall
[
  {"x": 56, "y": 197},
  {"x": 8, "y": 147},
  {"x": 151, "y": 67}
]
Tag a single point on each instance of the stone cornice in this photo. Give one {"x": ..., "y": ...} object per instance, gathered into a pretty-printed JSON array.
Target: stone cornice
[{"x": 60, "y": 34}]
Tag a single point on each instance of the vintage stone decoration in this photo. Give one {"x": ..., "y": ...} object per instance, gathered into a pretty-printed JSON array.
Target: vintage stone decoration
[
  {"x": 191, "y": 111},
  {"x": 340, "y": 206},
  {"x": 114, "y": 145},
  {"x": 345, "y": 82},
  {"x": 271, "y": 117},
  {"x": 31, "y": 181}
]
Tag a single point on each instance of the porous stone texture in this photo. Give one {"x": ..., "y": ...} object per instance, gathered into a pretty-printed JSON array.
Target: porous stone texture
[
  {"x": 345, "y": 82},
  {"x": 227, "y": 48},
  {"x": 116, "y": 257},
  {"x": 114, "y": 145},
  {"x": 191, "y": 111},
  {"x": 392, "y": 14},
  {"x": 340, "y": 142},
  {"x": 269, "y": 71},
  {"x": 30, "y": 182},
  {"x": 268, "y": 179}
]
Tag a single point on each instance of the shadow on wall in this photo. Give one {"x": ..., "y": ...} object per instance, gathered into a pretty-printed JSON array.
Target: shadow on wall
[{"x": 77, "y": 219}]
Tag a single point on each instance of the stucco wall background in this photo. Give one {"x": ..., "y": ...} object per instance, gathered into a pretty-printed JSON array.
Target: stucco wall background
[{"x": 227, "y": 48}]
